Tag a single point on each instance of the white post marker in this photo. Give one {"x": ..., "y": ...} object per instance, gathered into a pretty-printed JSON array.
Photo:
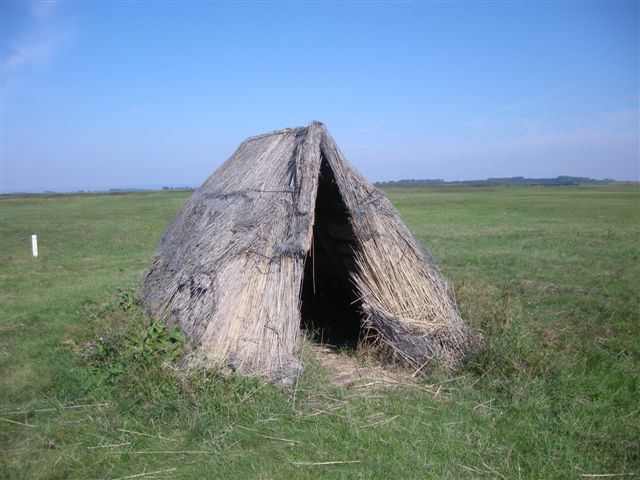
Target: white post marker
[{"x": 34, "y": 245}]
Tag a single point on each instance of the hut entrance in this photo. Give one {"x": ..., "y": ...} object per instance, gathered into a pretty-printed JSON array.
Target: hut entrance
[{"x": 330, "y": 311}]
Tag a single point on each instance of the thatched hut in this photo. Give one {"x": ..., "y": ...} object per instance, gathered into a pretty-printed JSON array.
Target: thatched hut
[{"x": 286, "y": 231}]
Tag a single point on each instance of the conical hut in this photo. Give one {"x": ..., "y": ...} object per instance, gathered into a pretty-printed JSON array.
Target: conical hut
[{"x": 286, "y": 233}]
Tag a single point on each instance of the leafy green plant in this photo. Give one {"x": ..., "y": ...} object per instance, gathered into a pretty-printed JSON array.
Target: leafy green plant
[
  {"x": 156, "y": 342},
  {"x": 132, "y": 340},
  {"x": 127, "y": 299}
]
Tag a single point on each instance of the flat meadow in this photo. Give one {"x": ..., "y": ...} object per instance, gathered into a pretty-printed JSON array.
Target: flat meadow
[{"x": 550, "y": 277}]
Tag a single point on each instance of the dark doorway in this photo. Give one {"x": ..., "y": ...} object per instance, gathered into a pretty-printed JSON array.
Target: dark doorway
[{"x": 330, "y": 310}]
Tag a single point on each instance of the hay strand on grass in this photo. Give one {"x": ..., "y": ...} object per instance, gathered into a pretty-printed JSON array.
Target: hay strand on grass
[
  {"x": 269, "y": 437},
  {"x": 147, "y": 474},
  {"x": 607, "y": 475},
  {"x": 17, "y": 423},
  {"x": 334, "y": 462},
  {"x": 55, "y": 409},
  {"x": 124, "y": 430},
  {"x": 163, "y": 452},
  {"x": 112, "y": 445}
]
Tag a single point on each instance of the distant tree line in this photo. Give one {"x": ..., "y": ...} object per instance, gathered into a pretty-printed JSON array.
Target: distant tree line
[
  {"x": 561, "y": 180},
  {"x": 114, "y": 191}
]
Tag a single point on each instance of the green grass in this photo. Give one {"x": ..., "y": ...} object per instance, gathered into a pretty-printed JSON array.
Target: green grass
[{"x": 550, "y": 276}]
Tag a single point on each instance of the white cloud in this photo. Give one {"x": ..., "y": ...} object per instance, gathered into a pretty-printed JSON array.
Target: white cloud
[
  {"x": 41, "y": 10},
  {"x": 33, "y": 47},
  {"x": 30, "y": 49}
]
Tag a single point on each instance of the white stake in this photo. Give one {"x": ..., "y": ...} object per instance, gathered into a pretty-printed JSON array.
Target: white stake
[{"x": 34, "y": 245}]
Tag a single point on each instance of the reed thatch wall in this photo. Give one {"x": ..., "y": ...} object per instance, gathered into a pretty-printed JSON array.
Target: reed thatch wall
[{"x": 230, "y": 267}]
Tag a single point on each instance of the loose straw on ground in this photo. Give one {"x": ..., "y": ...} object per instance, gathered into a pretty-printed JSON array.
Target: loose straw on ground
[
  {"x": 334, "y": 462},
  {"x": 54, "y": 409},
  {"x": 17, "y": 423},
  {"x": 147, "y": 474},
  {"x": 146, "y": 435}
]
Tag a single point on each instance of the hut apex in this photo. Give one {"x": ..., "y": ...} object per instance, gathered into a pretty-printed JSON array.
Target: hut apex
[{"x": 285, "y": 236}]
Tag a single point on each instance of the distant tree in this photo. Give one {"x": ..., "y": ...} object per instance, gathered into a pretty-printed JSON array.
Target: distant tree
[{"x": 560, "y": 180}]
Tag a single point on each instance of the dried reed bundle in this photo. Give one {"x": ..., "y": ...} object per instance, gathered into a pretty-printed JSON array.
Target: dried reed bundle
[{"x": 230, "y": 268}]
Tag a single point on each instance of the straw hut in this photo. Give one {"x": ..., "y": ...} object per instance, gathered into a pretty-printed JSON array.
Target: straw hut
[{"x": 287, "y": 234}]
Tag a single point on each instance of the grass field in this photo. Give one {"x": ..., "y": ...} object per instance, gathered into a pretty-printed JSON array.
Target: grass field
[{"x": 550, "y": 276}]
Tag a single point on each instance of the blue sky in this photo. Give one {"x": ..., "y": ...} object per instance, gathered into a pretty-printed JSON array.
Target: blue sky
[{"x": 112, "y": 94}]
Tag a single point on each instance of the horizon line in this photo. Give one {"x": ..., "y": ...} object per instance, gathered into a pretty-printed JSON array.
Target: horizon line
[{"x": 423, "y": 181}]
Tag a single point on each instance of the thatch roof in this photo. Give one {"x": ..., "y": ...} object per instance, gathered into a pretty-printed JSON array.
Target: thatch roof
[{"x": 230, "y": 268}]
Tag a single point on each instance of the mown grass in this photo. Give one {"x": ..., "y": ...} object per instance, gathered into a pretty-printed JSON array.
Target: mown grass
[{"x": 549, "y": 276}]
